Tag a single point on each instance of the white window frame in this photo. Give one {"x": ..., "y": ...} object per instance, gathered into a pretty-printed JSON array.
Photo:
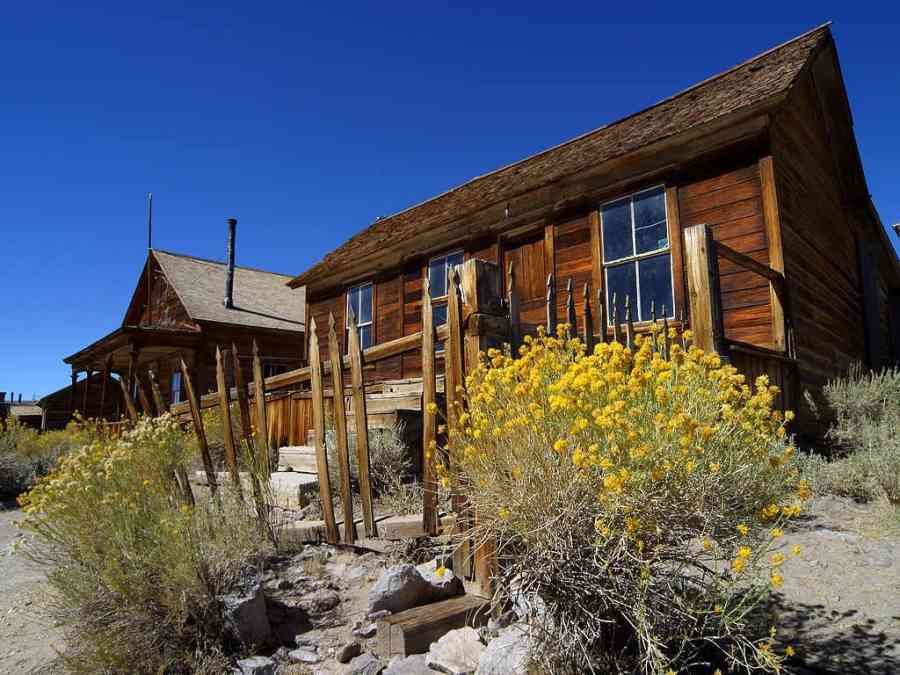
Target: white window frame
[
  {"x": 459, "y": 252},
  {"x": 370, "y": 322},
  {"x": 176, "y": 394},
  {"x": 635, "y": 257}
]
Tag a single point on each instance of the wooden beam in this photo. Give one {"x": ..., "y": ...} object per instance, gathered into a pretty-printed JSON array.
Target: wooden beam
[
  {"x": 703, "y": 289},
  {"x": 596, "y": 256},
  {"x": 340, "y": 432},
  {"x": 107, "y": 366},
  {"x": 747, "y": 262},
  {"x": 227, "y": 431},
  {"x": 129, "y": 404},
  {"x": 429, "y": 421},
  {"x": 142, "y": 396},
  {"x": 255, "y": 460},
  {"x": 454, "y": 382},
  {"x": 514, "y": 309},
  {"x": 676, "y": 246},
  {"x": 777, "y": 293},
  {"x": 199, "y": 431},
  {"x": 315, "y": 364},
  {"x": 588, "y": 332},
  {"x": 358, "y": 393},
  {"x": 158, "y": 400}
]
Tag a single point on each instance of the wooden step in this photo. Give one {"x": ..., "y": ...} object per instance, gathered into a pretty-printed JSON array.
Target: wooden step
[{"x": 413, "y": 631}]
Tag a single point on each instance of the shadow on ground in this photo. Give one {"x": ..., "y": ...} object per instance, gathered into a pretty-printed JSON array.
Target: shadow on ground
[{"x": 831, "y": 641}]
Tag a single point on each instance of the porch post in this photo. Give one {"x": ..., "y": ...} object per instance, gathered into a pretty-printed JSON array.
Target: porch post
[
  {"x": 72, "y": 391},
  {"x": 704, "y": 296}
]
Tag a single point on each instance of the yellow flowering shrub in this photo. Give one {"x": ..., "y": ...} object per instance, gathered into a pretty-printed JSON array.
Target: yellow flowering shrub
[
  {"x": 133, "y": 568},
  {"x": 636, "y": 496}
]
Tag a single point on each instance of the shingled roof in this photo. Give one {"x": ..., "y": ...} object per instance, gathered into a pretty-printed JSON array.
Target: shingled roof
[
  {"x": 751, "y": 83},
  {"x": 261, "y": 299}
]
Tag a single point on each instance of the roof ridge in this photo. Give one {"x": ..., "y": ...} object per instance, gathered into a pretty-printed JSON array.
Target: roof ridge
[
  {"x": 219, "y": 262},
  {"x": 580, "y": 137}
]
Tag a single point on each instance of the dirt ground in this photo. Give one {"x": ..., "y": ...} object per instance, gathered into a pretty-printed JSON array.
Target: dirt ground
[
  {"x": 839, "y": 607},
  {"x": 26, "y": 640}
]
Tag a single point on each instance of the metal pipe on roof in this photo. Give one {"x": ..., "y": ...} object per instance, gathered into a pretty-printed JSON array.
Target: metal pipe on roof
[{"x": 229, "y": 272}]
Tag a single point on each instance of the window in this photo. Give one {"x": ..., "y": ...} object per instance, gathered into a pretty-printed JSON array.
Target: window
[
  {"x": 439, "y": 283},
  {"x": 359, "y": 301},
  {"x": 637, "y": 260},
  {"x": 176, "y": 388},
  {"x": 270, "y": 369}
]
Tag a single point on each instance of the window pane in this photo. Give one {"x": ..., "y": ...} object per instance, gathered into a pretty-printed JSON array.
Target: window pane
[
  {"x": 453, "y": 261},
  {"x": 437, "y": 277},
  {"x": 176, "y": 387},
  {"x": 656, "y": 285},
  {"x": 620, "y": 281},
  {"x": 353, "y": 303},
  {"x": 650, "y": 221},
  {"x": 617, "y": 230},
  {"x": 365, "y": 336},
  {"x": 365, "y": 304},
  {"x": 439, "y": 315}
]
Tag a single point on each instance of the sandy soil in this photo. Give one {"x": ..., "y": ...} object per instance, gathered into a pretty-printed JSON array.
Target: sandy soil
[{"x": 26, "y": 640}]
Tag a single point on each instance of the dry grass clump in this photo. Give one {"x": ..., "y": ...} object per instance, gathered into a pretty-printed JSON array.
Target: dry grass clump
[
  {"x": 633, "y": 500},
  {"x": 866, "y": 435},
  {"x": 133, "y": 567}
]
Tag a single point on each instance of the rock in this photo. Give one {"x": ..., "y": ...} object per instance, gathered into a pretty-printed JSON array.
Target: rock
[
  {"x": 246, "y": 616},
  {"x": 364, "y": 664},
  {"x": 304, "y": 655},
  {"x": 525, "y": 603},
  {"x": 444, "y": 585},
  {"x": 411, "y": 665},
  {"x": 319, "y": 602},
  {"x": 364, "y": 630},
  {"x": 380, "y": 614},
  {"x": 349, "y": 651},
  {"x": 456, "y": 653},
  {"x": 399, "y": 587},
  {"x": 256, "y": 665},
  {"x": 509, "y": 653}
]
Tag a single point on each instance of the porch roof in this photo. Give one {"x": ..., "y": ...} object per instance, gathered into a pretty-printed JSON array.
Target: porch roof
[{"x": 153, "y": 341}]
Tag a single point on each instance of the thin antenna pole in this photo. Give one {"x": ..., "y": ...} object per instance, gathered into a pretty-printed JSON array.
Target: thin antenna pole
[{"x": 149, "y": 248}]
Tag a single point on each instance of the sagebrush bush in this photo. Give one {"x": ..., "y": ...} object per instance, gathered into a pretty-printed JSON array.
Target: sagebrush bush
[
  {"x": 633, "y": 501},
  {"x": 133, "y": 567},
  {"x": 865, "y": 407}
]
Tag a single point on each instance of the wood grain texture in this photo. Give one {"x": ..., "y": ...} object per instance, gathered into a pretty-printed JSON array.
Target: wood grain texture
[
  {"x": 315, "y": 366},
  {"x": 227, "y": 430},
  {"x": 199, "y": 431},
  {"x": 358, "y": 393},
  {"x": 429, "y": 421},
  {"x": 342, "y": 444}
]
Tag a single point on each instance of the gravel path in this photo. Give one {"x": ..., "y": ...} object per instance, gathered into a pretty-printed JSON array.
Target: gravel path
[{"x": 26, "y": 641}]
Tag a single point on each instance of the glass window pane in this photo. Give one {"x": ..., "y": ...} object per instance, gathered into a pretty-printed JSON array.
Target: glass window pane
[
  {"x": 453, "y": 261},
  {"x": 365, "y": 336},
  {"x": 617, "y": 241},
  {"x": 620, "y": 280},
  {"x": 650, "y": 221},
  {"x": 353, "y": 303},
  {"x": 656, "y": 285},
  {"x": 439, "y": 315},
  {"x": 365, "y": 304},
  {"x": 437, "y": 277}
]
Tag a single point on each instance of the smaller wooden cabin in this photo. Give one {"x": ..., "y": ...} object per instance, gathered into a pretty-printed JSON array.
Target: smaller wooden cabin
[
  {"x": 184, "y": 308},
  {"x": 791, "y": 275}
]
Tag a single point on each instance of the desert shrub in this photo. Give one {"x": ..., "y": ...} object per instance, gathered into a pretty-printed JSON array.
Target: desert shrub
[
  {"x": 633, "y": 501},
  {"x": 134, "y": 569},
  {"x": 26, "y": 454},
  {"x": 865, "y": 407}
]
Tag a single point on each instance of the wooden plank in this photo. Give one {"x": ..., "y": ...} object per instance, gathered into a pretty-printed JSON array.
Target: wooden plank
[
  {"x": 412, "y": 631},
  {"x": 199, "y": 431},
  {"x": 703, "y": 289},
  {"x": 551, "y": 306},
  {"x": 259, "y": 392},
  {"x": 673, "y": 220},
  {"x": 747, "y": 262},
  {"x": 315, "y": 364},
  {"x": 129, "y": 404},
  {"x": 227, "y": 431},
  {"x": 596, "y": 253},
  {"x": 429, "y": 421},
  {"x": 340, "y": 431},
  {"x": 513, "y": 307},
  {"x": 358, "y": 393},
  {"x": 250, "y": 455},
  {"x": 107, "y": 366},
  {"x": 588, "y": 332},
  {"x": 571, "y": 320},
  {"x": 629, "y": 325},
  {"x": 777, "y": 292}
]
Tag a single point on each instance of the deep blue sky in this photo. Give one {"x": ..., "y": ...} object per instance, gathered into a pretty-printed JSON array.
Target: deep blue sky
[{"x": 308, "y": 121}]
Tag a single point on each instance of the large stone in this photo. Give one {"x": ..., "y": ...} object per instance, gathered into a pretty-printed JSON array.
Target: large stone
[
  {"x": 364, "y": 664},
  {"x": 444, "y": 584},
  {"x": 319, "y": 602},
  {"x": 256, "y": 665},
  {"x": 245, "y": 615},
  {"x": 411, "y": 665},
  {"x": 509, "y": 653},
  {"x": 456, "y": 653},
  {"x": 399, "y": 587},
  {"x": 349, "y": 651},
  {"x": 304, "y": 655}
]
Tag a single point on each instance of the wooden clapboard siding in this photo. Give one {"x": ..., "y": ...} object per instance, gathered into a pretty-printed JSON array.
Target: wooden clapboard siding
[
  {"x": 389, "y": 320},
  {"x": 528, "y": 255},
  {"x": 413, "y": 277},
  {"x": 572, "y": 253},
  {"x": 729, "y": 201},
  {"x": 335, "y": 303}
]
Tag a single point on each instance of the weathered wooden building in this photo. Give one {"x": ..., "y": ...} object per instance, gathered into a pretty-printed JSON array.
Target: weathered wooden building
[
  {"x": 185, "y": 308},
  {"x": 803, "y": 279}
]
